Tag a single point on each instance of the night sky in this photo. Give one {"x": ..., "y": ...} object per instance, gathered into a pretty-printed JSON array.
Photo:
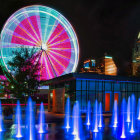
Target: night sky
[{"x": 103, "y": 26}]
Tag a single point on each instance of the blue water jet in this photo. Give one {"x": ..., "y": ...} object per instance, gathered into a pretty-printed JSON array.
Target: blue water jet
[
  {"x": 123, "y": 131},
  {"x": 30, "y": 121},
  {"x": 115, "y": 114},
  {"x": 138, "y": 110},
  {"x": 132, "y": 129},
  {"x": 1, "y": 119},
  {"x": 67, "y": 114},
  {"x": 18, "y": 121},
  {"x": 88, "y": 114},
  {"x": 42, "y": 125},
  {"x": 95, "y": 117},
  {"x": 76, "y": 122},
  {"x": 100, "y": 116},
  {"x": 128, "y": 110}
]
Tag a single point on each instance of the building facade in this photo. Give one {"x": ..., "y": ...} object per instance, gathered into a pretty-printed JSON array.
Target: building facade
[
  {"x": 104, "y": 65},
  {"x": 84, "y": 87},
  {"x": 89, "y": 65}
]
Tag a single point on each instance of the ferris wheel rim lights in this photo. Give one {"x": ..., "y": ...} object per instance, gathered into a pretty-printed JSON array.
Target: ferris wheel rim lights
[{"x": 49, "y": 13}]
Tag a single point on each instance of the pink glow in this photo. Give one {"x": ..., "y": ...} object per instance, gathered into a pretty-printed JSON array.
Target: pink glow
[
  {"x": 2, "y": 77},
  {"x": 59, "y": 49},
  {"x": 45, "y": 104},
  {"x": 46, "y": 71},
  {"x": 56, "y": 59},
  {"x": 27, "y": 32},
  {"x": 35, "y": 24}
]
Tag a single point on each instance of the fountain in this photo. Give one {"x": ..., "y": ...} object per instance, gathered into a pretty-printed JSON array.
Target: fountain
[
  {"x": 30, "y": 121},
  {"x": 132, "y": 130},
  {"x": 18, "y": 121},
  {"x": 76, "y": 121},
  {"x": 100, "y": 115},
  {"x": 138, "y": 110},
  {"x": 42, "y": 124},
  {"x": 119, "y": 126},
  {"x": 128, "y": 110},
  {"x": 88, "y": 115},
  {"x": 95, "y": 117},
  {"x": 67, "y": 114},
  {"x": 123, "y": 118},
  {"x": 115, "y": 114},
  {"x": 1, "y": 119}
]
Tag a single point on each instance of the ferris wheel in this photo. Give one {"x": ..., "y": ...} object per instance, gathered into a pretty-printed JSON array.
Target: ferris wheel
[{"x": 47, "y": 32}]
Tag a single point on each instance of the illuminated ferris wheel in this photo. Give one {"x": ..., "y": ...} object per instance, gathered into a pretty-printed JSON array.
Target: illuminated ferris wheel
[{"x": 47, "y": 32}]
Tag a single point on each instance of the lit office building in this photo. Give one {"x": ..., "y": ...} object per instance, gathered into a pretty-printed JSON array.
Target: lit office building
[
  {"x": 106, "y": 66},
  {"x": 110, "y": 67},
  {"x": 89, "y": 65}
]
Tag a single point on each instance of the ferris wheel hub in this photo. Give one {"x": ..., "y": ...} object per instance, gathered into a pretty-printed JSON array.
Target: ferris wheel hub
[{"x": 44, "y": 47}]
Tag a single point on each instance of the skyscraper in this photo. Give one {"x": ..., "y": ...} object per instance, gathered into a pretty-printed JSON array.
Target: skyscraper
[
  {"x": 136, "y": 57},
  {"x": 106, "y": 65}
]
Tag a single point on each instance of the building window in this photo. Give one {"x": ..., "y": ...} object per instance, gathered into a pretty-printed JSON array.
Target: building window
[
  {"x": 116, "y": 97},
  {"x": 107, "y": 102}
]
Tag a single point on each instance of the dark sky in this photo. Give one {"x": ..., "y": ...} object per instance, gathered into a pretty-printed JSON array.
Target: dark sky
[{"x": 109, "y": 26}]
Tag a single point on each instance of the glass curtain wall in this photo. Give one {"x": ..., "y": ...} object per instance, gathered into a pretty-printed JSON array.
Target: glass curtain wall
[{"x": 105, "y": 91}]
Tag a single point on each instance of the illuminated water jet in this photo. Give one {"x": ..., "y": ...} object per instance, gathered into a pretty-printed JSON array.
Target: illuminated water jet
[
  {"x": 115, "y": 114},
  {"x": 67, "y": 114},
  {"x": 1, "y": 119},
  {"x": 128, "y": 110},
  {"x": 18, "y": 121},
  {"x": 30, "y": 121},
  {"x": 88, "y": 115},
  {"x": 95, "y": 117},
  {"x": 123, "y": 135},
  {"x": 132, "y": 130},
  {"x": 138, "y": 109},
  {"x": 76, "y": 121},
  {"x": 42, "y": 119},
  {"x": 100, "y": 115}
]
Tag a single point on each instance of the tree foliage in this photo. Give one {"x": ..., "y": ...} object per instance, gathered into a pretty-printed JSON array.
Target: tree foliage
[{"x": 25, "y": 69}]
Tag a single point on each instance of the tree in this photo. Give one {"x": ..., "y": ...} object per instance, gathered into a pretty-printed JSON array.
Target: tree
[{"x": 26, "y": 69}]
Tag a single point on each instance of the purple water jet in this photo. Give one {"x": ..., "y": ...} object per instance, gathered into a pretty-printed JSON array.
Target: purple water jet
[
  {"x": 77, "y": 130},
  {"x": 123, "y": 133},
  {"x": 95, "y": 117},
  {"x": 30, "y": 121},
  {"x": 42, "y": 124},
  {"x": 67, "y": 114},
  {"x": 1, "y": 119}
]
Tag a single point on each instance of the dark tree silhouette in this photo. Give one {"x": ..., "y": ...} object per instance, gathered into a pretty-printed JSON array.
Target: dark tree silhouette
[{"x": 25, "y": 70}]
